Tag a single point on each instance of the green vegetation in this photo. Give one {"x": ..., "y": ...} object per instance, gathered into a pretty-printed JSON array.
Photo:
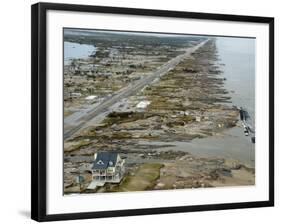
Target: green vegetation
[
  {"x": 67, "y": 113},
  {"x": 77, "y": 145},
  {"x": 188, "y": 118},
  {"x": 143, "y": 179},
  {"x": 124, "y": 117},
  {"x": 181, "y": 121}
]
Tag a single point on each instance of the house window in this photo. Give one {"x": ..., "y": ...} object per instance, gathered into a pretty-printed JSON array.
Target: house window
[{"x": 100, "y": 162}]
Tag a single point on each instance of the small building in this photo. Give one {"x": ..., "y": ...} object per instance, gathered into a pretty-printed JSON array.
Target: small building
[
  {"x": 108, "y": 167},
  {"x": 143, "y": 104},
  {"x": 91, "y": 98},
  {"x": 75, "y": 95}
]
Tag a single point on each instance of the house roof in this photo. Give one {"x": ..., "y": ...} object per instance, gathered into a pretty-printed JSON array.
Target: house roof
[{"x": 105, "y": 160}]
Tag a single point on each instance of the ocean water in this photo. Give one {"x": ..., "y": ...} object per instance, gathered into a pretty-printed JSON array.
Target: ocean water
[{"x": 238, "y": 57}]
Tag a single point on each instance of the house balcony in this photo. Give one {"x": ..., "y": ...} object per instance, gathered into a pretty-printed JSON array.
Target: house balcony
[{"x": 109, "y": 178}]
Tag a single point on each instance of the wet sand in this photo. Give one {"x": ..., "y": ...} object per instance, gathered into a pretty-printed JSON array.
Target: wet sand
[{"x": 230, "y": 144}]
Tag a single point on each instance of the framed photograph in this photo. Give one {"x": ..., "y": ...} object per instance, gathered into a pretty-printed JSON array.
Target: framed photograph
[{"x": 140, "y": 111}]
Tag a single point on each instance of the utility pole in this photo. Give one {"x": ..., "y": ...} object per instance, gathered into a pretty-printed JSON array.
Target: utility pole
[{"x": 79, "y": 180}]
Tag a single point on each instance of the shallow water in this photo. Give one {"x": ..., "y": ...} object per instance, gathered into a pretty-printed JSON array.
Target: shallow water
[
  {"x": 231, "y": 144},
  {"x": 76, "y": 50},
  {"x": 238, "y": 55}
]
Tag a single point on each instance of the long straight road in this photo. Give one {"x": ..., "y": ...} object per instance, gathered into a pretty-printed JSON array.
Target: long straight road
[{"x": 78, "y": 120}]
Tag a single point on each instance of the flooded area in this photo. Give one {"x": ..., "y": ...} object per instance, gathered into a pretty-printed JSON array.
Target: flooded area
[
  {"x": 231, "y": 144},
  {"x": 77, "y": 51},
  {"x": 170, "y": 117},
  {"x": 238, "y": 58}
]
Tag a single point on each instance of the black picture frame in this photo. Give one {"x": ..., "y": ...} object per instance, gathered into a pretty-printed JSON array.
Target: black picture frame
[{"x": 39, "y": 108}]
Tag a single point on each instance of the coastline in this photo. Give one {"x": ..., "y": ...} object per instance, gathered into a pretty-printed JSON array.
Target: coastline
[{"x": 207, "y": 114}]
